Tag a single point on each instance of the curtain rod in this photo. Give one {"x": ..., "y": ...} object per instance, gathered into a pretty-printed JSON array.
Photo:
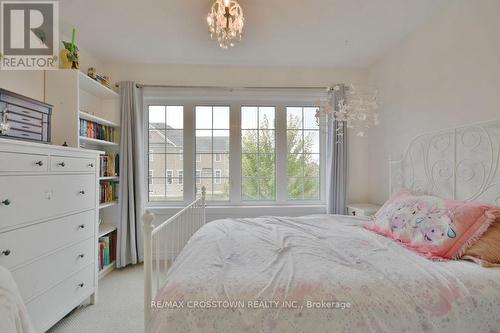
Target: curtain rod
[{"x": 138, "y": 85}]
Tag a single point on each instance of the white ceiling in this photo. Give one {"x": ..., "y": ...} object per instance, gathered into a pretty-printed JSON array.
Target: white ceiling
[{"x": 277, "y": 32}]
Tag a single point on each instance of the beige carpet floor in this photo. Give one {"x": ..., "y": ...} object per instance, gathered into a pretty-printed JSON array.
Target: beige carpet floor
[{"x": 119, "y": 307}]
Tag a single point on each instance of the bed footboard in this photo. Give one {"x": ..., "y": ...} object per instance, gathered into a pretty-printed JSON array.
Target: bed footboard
[{"x": 162, "y": 244}]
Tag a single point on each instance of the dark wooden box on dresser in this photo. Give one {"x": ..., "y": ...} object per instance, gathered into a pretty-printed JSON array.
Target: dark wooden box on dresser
[{"x": 49, "y": 208}]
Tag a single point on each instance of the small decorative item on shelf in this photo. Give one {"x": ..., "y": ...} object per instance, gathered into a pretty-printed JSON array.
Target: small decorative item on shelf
[
  {"x": 69, "y": 54},
  {"x": 101, "y": 78},
  {"x": 91, "y": 72},
  {"x": 4, "y": 125}
]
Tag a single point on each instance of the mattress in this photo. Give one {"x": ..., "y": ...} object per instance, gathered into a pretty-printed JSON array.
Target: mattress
[{"x": 321, "y": 273}]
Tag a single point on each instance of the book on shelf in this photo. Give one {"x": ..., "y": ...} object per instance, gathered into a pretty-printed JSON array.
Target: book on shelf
[
  {"x": 92, "y": 130},
  {"x": 109, "y": 165},
  {"x": 107, "y": 250},
  {"x": 107, "y": 192}
]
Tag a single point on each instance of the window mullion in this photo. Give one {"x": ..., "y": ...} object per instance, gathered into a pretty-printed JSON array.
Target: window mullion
[
  {"x": 189, "y": 151},
  {"x": 281, "y": 155},
  {"x": 235, "y": 154}
]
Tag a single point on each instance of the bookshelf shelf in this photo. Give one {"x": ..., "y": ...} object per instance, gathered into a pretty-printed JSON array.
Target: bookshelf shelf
[
  {"x": 95, "y": 119},
  {"x": 107, "y": 204},
  {"x": 107, "y": 269},
  {"x": 106, "y": 228},
  {"x": 97, "y": 142},
  {"x": 95, "y": 88},
  {"x": 115, "y": 178}
]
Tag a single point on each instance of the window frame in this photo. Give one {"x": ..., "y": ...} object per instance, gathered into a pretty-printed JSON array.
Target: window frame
[
  {"x": 167, "y": 181},
  {"x": 320, "y": 153},
  {"x": 217, "y": 179},
  {"x": 274, "y": 129},
  {"x": 180, "y": 177},
  {"x": 190, "y": 98},
  {"x": 213, "y": 154}
]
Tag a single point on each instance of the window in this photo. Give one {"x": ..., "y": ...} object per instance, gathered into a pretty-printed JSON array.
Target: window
[
  {"x": 198, "y": 177},
  {"x": 270, "y": 146},
  {"x": 258, "y": 153},
  {"x": 212, "y": 139},
  {"x": 150, "y": 178},
  {"x": 170, "y": 174},
  {"x": 303, "y": 162},
  {"x": 217, "y": 177},
  {"x": 166, "y": 139}
]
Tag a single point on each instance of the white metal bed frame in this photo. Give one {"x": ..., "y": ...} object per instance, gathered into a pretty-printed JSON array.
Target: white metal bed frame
[
  {"x": 160, "y": 251},
  {"x": 461, "y": 163}
]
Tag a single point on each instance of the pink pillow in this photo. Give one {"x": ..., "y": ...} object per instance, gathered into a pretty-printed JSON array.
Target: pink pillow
[{"x": 433, "y": 226}]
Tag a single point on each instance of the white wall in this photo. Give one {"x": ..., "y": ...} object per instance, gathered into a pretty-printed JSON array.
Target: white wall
[
  {"x": 31, "y": 83},
  {"x": 445, "y": 74},
  {"x": 232, "y": 76}
]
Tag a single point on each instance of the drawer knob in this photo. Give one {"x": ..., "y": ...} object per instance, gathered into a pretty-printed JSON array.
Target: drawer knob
[
  {"x": 81, "y": 226},
  {"x": 39, "y": 163},
  {"x": 81, "y": 285},
  {"x": 91, "y": 165},
  {"x": 82, "y": 192},
  {"x": 6, "y": 252},
  {"x": 6, "y": 202},
  {"x": 81, "y": 255},
  {"x": 62, "y": 164}
]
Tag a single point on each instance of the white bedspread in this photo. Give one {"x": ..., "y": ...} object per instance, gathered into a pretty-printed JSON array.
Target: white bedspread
[
  {"x": 13, "y": 314},
  {"x": 370, "y": 283}
]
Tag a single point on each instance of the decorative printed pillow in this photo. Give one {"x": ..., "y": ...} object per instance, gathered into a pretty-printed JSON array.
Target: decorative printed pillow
[{"x": 432, "y": 226}]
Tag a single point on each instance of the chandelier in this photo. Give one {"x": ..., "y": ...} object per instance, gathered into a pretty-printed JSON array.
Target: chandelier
[
  {"x": 357, "y": 110},
  {"x": 225, "y": 22}
]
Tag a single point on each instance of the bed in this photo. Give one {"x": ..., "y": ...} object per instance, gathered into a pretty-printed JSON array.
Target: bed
[
  {"x": 326, "y": 273},
  {"x": 14, "y": 316}
]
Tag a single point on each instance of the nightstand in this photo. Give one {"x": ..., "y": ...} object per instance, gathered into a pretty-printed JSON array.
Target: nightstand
[{"x": 362, "y": 209}]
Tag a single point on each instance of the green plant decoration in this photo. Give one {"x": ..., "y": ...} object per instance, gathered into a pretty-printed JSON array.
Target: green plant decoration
[{"x": 72, "y": 54}]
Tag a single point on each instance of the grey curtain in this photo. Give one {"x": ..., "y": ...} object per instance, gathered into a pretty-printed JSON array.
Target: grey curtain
[
  {"x": 337, "y": 160},
  {"x": 132, "y": 159}
]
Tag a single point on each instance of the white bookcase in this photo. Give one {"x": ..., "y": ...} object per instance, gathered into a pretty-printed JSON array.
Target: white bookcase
[{"x": 76, "y": 96}]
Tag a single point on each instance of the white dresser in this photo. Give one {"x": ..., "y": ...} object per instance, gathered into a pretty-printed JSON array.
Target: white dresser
[{"x": 49, "y": 208}]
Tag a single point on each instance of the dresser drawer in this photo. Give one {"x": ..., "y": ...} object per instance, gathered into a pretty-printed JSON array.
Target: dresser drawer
[
  {"x": 34, "y": 278},
  {"x": 25, "y": 127},
  {"x": 20, "y": 118},
  {"x": 22, "y": 105},
  {"x": 29, "y": 198},
  {"x": 16, "y": 162},
  {"x": 24, "y": 135},
  {"x": 28, "y": 243},
  {"x": 72, "y": 164},
  {"x": 48, "y": 308}
]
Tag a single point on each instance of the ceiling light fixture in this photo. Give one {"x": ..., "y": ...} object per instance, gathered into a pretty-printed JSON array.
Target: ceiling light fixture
[{"x": 225, "y": 22}]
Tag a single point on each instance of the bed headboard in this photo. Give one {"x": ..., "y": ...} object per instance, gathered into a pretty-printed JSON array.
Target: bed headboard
[{"x": 460, "y": 163}]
